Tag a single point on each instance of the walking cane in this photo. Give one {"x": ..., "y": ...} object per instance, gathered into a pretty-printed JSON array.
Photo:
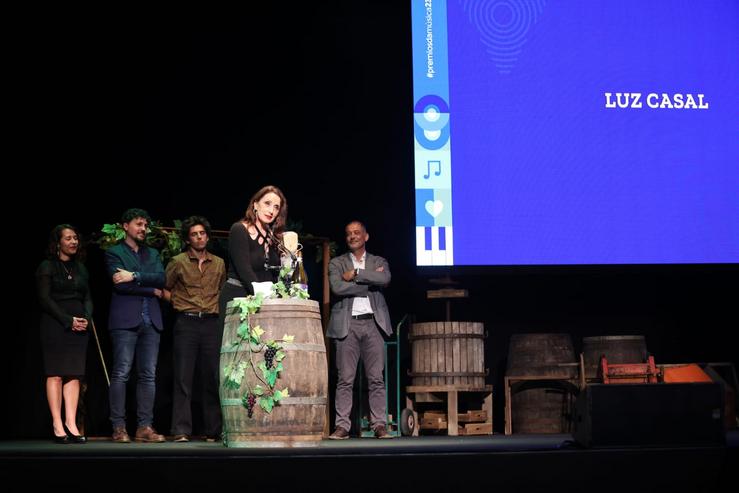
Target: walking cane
[{"x": 100, "y": 352}]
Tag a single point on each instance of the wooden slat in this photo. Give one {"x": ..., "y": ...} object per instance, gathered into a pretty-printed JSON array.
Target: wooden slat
[
  {"x": 432, "y": 294},
  {"x": 456, "y": 352},
  {"x": 415, "y": 351},
  {"x": 428, "y": 397},
  {"x": 480, "y": 366},
  {"x": 465, "y": 356},
  {"x": 473, "y": 417},
  {"x": 478, "y": 429},
  {"x": 433, "y": 353},
  {"x": 448, "y": 354},
  {"x": 433, "y": 424},
  {"x": 427, "y": 328},
  {"x": 451, "y": 408},
  {"x": 447, "y": 388},
  {"x": 434, "y": 415},
  {"x": 487, "y": 405}
]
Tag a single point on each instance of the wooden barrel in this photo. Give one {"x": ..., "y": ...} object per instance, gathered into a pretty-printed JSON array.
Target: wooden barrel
[
  {"x": 298, "y": 420},
  {"x": 448, "y": 353},
  {"x": 618, "y": 350},
  {"x": 542, "y": 400}
]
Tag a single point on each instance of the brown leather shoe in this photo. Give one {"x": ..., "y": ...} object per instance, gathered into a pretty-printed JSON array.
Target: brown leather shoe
[
  {"x": 120, "y": 435},
  {"x": 339, "y": 434},
  {"x": 148, "y": 434},
  {"x": 381, "y": 432}
]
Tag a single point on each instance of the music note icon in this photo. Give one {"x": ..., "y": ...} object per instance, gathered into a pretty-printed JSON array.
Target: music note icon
[{"x": 428, "y": 168}]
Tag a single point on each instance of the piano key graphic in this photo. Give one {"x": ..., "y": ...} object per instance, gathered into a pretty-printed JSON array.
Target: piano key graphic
[{"x": 434, "y": 245}]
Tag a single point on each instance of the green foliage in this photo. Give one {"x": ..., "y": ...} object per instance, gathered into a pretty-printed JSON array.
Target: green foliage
[
  {"x": 298, "y": 292},
  {"x": 167, "y": 242},
  {"x": 280, "y": 290},
  {"x": 264, "y": 356}
]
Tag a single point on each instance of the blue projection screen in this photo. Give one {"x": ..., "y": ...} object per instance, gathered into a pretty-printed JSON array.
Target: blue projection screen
[{"x": 576, "y": 132}]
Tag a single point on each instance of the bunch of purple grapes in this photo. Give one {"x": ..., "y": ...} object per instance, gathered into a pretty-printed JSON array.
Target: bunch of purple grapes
[
  {"x": 269, "y": 355},
  {"x": 251, "y": 400}
]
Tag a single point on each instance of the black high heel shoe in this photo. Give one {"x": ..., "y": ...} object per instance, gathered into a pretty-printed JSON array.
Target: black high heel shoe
[
  {"x": 78, "y": 438},
  {"x": 62, "y": 439},
  {"x": 71, "y": 438}
]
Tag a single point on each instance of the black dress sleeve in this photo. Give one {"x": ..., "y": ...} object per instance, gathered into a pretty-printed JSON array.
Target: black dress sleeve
[
  {"x": 239, "y": 250},
  {"x": 44, "y": 275}
]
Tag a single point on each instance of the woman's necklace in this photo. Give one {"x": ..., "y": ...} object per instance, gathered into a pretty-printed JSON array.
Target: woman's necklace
[{"x": 68, "y": 271}]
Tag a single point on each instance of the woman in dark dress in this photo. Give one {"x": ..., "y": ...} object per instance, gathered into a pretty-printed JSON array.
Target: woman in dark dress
[
  {"x": 64, "y": 294},
  {"x": 250, "y": 248}
]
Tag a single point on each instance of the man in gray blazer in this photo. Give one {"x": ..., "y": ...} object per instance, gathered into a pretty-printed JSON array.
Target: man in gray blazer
[{"x": 357, "y": 317}]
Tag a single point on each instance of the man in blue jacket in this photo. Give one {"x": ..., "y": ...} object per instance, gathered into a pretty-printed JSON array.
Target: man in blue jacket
[{"x": 135, "y": 325}]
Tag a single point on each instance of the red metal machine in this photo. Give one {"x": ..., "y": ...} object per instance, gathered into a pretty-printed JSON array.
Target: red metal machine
[{"x": 628, "y": 373}]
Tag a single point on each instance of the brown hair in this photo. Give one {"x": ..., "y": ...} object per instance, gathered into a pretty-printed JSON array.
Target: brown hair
[
  {"x": 55, "y": 238},
  {"x": 280, "y": 220}
]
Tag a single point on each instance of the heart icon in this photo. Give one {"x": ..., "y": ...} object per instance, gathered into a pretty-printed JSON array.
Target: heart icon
[{"x": 434, "y": 207}]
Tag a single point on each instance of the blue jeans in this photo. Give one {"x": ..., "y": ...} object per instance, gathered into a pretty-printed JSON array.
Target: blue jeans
[{"x": 143, "y": 343}]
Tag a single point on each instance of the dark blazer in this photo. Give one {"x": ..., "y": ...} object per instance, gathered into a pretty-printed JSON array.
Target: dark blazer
[
  {"x": 368, "y": 283},
  {"x": 127, "y": 300}
]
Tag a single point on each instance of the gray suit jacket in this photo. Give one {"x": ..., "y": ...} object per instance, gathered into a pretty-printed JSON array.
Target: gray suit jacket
[{"x": 368, "y": 283}]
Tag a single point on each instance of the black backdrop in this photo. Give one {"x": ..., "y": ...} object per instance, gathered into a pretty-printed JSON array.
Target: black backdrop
[{"x": 183, "y": 112}]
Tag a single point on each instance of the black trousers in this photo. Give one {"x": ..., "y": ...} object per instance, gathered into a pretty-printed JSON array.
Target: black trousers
[{"x": 197, "y": 346}]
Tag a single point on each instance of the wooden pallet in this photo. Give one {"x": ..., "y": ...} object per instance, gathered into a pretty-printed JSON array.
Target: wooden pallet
[{"x": 450, "y": 420}]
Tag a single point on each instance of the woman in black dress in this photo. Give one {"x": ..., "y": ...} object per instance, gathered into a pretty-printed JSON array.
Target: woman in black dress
[
  {"x": 64, "y": 294},
  {"x": 252, "y": 256}
]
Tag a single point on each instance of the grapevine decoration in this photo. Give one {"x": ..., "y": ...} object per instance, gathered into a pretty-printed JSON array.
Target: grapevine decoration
[
  {"x": 261, "y": 370},
  {"x": 165, "y": 239},
  {"x": 280, "y": 289}
]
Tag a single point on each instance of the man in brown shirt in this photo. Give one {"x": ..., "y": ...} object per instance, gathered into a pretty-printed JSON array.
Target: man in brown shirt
[{"x": 193, "y": 283}]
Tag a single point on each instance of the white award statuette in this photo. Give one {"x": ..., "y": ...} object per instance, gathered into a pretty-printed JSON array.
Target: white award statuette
[{"x": 290, "y": 240}]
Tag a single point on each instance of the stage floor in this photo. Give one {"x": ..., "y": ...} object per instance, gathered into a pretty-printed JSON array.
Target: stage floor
[{"x": 427, "y": 463}]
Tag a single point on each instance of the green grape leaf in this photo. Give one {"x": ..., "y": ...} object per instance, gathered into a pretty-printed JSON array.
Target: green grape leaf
[
  {"x": 109, "y": 228},
  {"x": 266, "y": 403},
  {"x": 257, "y": 331},
  {"x": 270, "y": 376},
  {"x": 243, "y": 330},
  {"x": 279, "y": 395},
  {"x": 256, "y": 334},
  {"x": 234, "y": 375},
  {"x": 298, "y": 292}
]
